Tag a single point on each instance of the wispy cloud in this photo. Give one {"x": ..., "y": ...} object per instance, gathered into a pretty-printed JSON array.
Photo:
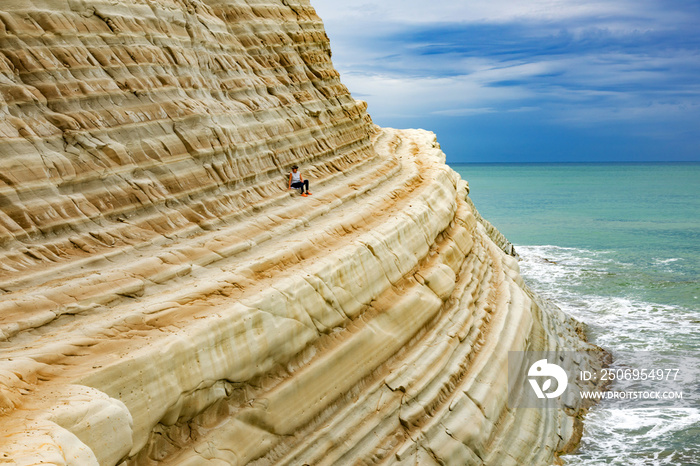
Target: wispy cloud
[{"x": 494, "y": 11}]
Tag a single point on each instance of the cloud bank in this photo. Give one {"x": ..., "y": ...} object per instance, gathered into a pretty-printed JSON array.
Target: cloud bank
[{"x": 566, "y": 80}]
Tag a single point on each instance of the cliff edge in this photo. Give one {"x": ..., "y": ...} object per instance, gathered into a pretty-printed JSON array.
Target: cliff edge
[{"x": 165, "y": 299}]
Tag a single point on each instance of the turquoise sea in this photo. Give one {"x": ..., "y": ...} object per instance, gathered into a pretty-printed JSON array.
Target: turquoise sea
[{"x": 618, "y": 247}]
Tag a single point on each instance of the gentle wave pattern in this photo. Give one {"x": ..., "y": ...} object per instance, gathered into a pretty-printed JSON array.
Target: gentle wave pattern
[{"x": 617, "y": 247}]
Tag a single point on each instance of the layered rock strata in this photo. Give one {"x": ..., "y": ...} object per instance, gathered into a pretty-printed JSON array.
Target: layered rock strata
[{"x": 165, "y": 299}]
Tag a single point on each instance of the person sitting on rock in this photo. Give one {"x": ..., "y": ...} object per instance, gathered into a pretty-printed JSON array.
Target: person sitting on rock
[{"x": 297, "y": 181}]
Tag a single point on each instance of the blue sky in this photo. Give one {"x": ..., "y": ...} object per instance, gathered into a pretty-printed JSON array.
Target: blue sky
[{"x": 528, "y": 81}]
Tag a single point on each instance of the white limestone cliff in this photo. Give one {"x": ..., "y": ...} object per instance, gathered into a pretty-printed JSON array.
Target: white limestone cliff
[{"x": 164, "y": 299}]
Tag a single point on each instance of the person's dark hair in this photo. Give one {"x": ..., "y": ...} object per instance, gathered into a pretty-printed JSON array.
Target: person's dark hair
[{"x": 295, "y": 166}]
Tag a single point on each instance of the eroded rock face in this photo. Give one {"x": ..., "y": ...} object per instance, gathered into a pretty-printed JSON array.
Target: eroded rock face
[{"x": 165, "y": 298}]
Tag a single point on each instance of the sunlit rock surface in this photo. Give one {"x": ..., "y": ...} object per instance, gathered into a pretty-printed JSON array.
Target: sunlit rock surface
[{"x": 164, "y": 297}]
